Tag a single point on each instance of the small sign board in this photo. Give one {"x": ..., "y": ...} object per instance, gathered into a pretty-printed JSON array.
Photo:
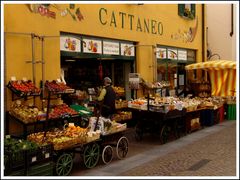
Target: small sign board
[{"x": 134, "y": 80}]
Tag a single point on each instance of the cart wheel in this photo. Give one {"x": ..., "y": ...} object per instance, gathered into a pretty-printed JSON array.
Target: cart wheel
[
  {"x": 107, "y": 154},
  {"x": 64, "y": 164},
  {"x": 164, "y": 134},
  {"x": 91, "y": 155},
  {"x": 122, "y": 147}
]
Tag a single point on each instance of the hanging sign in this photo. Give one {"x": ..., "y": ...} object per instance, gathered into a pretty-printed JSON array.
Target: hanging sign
[
  {"x": 92, "y": 46},
  {"x": 110, "y": 48},
  {"x": 161, "y": 53},
  {"x": 182, "y": 55},
  {"x": 127, "y": 49},
  {"x": 134, "y": 80},
  {"x": 71, "y": 44},
  {"x": 172, "y": 54}
]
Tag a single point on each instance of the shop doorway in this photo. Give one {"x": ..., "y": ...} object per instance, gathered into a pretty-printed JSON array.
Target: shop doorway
[{"x": 85, "y": 73}]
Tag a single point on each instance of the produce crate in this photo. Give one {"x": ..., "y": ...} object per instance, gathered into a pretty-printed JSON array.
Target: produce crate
[
  {"x": 207, "y": 117},
  {"x": 43, "y": 169},
  {"x": 14, "y": 162},
  {"x": 42, "y": 154},
  {"x": 20, "y": 172},
  {"x": 221, "y": 114},
  {"x": 231, "y": 112},
  {"x": 16, "y": 91}
]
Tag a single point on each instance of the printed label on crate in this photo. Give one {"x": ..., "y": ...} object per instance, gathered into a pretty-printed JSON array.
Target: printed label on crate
[
  {"x": 24, "y": 79},
  {"x": 71, "y": 124},
  {"x": 34, "y": 159},
  {"x": 47, "y": 155},
  {"x": 13, "y": 78}
]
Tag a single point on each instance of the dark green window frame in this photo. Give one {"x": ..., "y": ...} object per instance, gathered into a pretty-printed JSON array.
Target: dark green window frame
[{"x": 182, "y": 13}]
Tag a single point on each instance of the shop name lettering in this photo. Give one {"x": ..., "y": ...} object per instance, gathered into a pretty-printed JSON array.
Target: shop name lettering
[{"x": 107, "y": 18}]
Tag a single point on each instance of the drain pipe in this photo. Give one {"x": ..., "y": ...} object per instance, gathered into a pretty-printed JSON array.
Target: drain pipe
[{"x": 204, "y": 73}]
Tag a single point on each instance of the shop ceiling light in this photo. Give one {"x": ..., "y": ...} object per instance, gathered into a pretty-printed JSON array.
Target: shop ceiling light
[
  {"x": 105, "y": 58},
  {"x": 70, "y": 60}
]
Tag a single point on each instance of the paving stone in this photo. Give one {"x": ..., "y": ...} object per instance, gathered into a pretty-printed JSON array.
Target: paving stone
[{"x": 216, "y": 143}]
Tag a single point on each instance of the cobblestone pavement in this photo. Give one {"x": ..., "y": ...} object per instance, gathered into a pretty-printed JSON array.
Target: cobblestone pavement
[
  {"x": 214, "y": 155},
  {"x": 210, "y": 151}
]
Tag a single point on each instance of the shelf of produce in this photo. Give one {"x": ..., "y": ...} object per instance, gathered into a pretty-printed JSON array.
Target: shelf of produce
[
  {"x": 23, "y": 89},
  {"x": 43, "y": 123}
]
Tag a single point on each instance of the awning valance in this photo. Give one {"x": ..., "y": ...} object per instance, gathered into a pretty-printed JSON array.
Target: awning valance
[
  {"x": 215, "y": 65},
  {"x": 222, "y": 74}
]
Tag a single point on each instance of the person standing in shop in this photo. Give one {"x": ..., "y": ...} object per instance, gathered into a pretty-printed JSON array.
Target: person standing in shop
[{"x": 107, "y": 97}]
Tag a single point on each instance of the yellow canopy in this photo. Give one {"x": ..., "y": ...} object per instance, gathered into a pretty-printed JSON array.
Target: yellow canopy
[{"x": 222, "y": 75}]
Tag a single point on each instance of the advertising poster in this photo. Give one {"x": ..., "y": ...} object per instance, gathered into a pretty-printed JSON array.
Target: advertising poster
[
  {"x": 182, "y": 55},
  {"x": 127, "y": 49},
  {"x": 111, "y": 48},
  {"x": 161, "y": 53},
  {"x": 70, "y": 44},
  {"x": 172, "y": 54},
  {"x": 92, "y": 46}
]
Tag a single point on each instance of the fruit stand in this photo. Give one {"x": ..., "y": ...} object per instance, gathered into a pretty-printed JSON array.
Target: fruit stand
[
  {"x": 155, "y": 115},
  {"x": 94, "y": 138}
]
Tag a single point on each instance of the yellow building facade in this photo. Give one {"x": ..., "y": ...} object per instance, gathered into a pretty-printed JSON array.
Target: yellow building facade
[{"x": 147, "y": 25}]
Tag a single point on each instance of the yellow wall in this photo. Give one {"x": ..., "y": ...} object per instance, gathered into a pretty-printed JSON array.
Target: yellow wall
[{"x": 18, "y": 18}]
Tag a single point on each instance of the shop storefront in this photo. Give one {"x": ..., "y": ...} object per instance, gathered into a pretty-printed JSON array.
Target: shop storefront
[
  {"x": 108, "y": 25},
  {"x": 56, "y": 57},
  {"x": 86, "y": 60}
]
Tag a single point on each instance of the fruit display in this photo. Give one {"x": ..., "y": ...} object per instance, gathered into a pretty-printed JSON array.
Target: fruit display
[
  {"x": 140, "y": 103},
  {"x": 161, "y": 84},
  {"x": 58, "y": 87},
  {"x": 23, "y": 88},
  {"x": 61, "y": 110},
  {"x": 26, "y": 114},
  {"x": 119, "y": 90},
  {"x": 62, "y": 139},
  {"x": 121, "y": 104},
  {"x": 17, "y": 152},
  {"x": 122, "y": 115},
  {"x": 16, "y": 145}
]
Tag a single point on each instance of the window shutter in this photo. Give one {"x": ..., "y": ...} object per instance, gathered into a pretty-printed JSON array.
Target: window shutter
[
  {"x": 193, "y": 9},
  {"x": 181, "y": 8}
]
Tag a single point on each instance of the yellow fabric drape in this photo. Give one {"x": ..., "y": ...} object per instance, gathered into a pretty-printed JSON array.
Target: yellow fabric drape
[{"x": 222, "y": 75}]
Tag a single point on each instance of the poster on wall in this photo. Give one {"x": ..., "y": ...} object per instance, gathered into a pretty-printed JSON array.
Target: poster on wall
[
  {"x": 127, "y": 49},
  {"x": 182, "y": 55},
  {"x": 70, "y": 44},
  {"x": 92, "y": 46},
  {"x": 134, "y": 80},
  {"x": 111, "y": 48},
  {"x": 172, "y": 54},
  {"x": 161, "y": 53}
]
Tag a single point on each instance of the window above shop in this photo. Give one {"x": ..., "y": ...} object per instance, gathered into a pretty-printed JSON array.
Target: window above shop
[{"x": 187, "y": 11}]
